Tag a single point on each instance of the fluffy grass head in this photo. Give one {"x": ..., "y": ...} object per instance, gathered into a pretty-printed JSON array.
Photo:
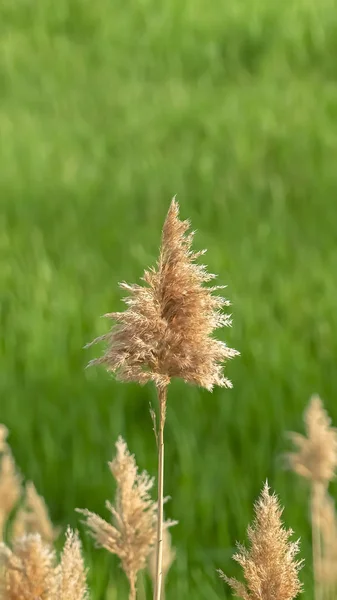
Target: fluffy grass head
[
  {"x": 167, "y": 329},
  {"x": 316, "y": 455},
  {"x": 133, "y": 532},
  {"x": 269, "y": 565},
  {"x": 29, "y": 570},
  {"x": 33, "y": 517}
]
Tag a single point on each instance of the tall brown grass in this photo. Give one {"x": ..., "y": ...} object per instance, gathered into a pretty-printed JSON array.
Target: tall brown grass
[
  {"x": 269, "y": 563},
  {"x": 316, "y": 460},
  {"x": 30, "y": 570},
  {"x": 133, "y": 532},
  {"x": 10, "y": 481},
  {"x": 167, "y": 331}
]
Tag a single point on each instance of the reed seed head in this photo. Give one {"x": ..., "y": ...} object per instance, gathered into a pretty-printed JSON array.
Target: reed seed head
[
  {"x": 269, "y": 565},
  {"x": 71, "y": 573},
  {"x": 316, "y": 455},
  {"x": 10, "y": 481},
  {"x": 28, "y": 570},
  {"x": 133, "y": 532},
  {"x": 33, "y": 517},
  {"x": 167, "y": 329}
]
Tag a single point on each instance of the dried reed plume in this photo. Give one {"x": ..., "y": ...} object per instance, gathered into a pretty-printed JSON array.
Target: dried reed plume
[
  {"x": 29, "y": 571},
  {"x": 71, "y": 573},
  {"x": 169, "y": 555},
  {"x": 316, "y": 456},
  {"x": 167, "y": 331},
  {"x": 10, "y": 481},
  {"x": 167, "y": 328},
  {"x": 269, "y": 565},
  {"x": 133, "y": 533},
  {"x": 33, "y": 517},
  {"x": 316, "y": 460}
]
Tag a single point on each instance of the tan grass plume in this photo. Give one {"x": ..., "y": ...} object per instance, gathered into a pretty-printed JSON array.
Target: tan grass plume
[
  {"x": 133, "y": 532},
  {"x": 269, "y": 564},
  {"x": 167, "y": 331},
  {"x": 316, "y": 460},
  {"x": 71, "y": 574},
  {"x": 29, "y": 571},
  {"x": 316, "y": 455},
  {"x": 167, "y": 328},
  {"x": 10, "y": 481},
  {"x": 33, "y": 517}
]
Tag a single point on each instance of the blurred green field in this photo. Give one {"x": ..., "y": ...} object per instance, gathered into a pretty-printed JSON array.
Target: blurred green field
[{"x": 107, "y": 109}]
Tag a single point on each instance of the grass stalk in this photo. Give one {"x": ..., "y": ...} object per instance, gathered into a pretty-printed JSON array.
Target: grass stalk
[
  {"x": 162, "y": 396},
  {"x": 316, "y": 494},
  {"x": 133, "y": 589}
]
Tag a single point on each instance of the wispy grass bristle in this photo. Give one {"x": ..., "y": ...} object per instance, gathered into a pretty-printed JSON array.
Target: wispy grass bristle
[{"x": 269, "y": 564}]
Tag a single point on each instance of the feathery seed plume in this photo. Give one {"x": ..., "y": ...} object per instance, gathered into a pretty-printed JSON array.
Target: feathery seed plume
[
  {"x": 33, "y": 517},
  {"x": 316, "y": 456},
  {"x": 71, "y": 573},
  {"x": 10, "y": 481},
  {"x": 28, "y": 570},
  {"x": 269, "y": 565},
  {"x": 166, "y": 330},
  {"x": 133, "y": 533}
]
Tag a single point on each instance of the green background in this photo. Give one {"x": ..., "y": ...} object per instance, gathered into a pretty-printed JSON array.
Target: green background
[{"x": 107, "y": 109}]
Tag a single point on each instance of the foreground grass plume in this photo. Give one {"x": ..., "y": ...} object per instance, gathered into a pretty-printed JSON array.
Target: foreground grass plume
[
  {"x": 316, "y": 455},
  {"x": 29, "y": 571},
  {"x": 133, "y": 532},
  {"x": 10, "y": 481},
  {"x": 269, "y": 564},
  {"x": 316, "y": 460},
  {"x": 167, "y": 328},
  {"x": 167, "y": 331},
  {"x": 33, "y": 517}
]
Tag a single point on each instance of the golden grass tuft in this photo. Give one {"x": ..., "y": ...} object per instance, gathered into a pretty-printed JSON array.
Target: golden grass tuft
[
  {"x": 29, "y": 571},
  {"x": 71, "y": 574},
  {"x": 10, "y": 481},
  {"x": 316, "y": 460},
  {"x": 269, "y": 565},
  {"x": 133, "y": 532},
  {"x": 167, "y": 328},
  {"x": 167, "y": 331},
  {"x": 316, "y": 455},
  {"x": 33, "y": 517}
]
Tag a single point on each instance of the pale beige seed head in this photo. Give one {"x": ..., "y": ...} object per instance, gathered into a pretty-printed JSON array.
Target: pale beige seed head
[
  {"x": 27, "y": 570},
  {"x": 10, "y": 481},
  {"x": 71, "y": 573},
  {"x": 33, "y": 517},
  {"x": 133, "y": 532},
  {"x": 269, "y": 565},
  {"x": 316, "y": 455},
  {"x": 167, "y": 329}
]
